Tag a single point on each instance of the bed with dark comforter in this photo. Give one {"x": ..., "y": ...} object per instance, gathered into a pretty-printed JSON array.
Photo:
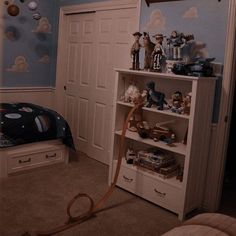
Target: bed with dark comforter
[{"x": 22, "y": 123}]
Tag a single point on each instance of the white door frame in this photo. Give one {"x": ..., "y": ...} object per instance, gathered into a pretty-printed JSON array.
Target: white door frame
[
  {"x": 1, "y": 40},
  {"x": 222, "y": 134},
  {"x": 82, "y": 8}
]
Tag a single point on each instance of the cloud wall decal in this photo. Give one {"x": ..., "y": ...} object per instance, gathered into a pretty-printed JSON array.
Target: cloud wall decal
[
  {"x": 45, "y": 59},
  {"x": 43, "y": 26},
  {"x": 20, "y": 65},
  {"x": 157, "y": 22},
  {"x": 192, "y": 12}
]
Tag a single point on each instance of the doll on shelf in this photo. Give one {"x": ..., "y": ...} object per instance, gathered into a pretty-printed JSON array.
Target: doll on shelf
[
  {"x": 177, "y": 41},
  {"x": 149, "y": 47},
  {"x": 187, "y": 103},
  {"x": 158, "y": 53},
  {"x": 135, "y": 51},
  {"x": 177, "y": 102}
]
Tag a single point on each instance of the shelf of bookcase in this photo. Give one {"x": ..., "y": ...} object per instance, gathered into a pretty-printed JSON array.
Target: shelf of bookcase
[
  {"x": 179, "y": 148},
  {"x": 164, "y": 112},
  {"x": 151, "y": 174}
]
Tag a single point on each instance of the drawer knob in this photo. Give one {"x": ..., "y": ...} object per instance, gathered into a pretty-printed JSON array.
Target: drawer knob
[
  {"x": 51, "y": 156},
  {"x": 161, "y": 194},
  {"x": 127, "y": 179},
  {"x": 24, "y": 161}
]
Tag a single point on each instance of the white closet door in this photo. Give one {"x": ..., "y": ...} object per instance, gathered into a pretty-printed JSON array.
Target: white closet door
[
  {"x": 80, "y": 59},
  {"x": 97, "y": 42}
]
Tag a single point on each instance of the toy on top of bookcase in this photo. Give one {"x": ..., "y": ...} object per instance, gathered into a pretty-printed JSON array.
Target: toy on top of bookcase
[
  {"x": 149, "y": 47},
  {"x": 176, "y": 42},
  {"x": 135, "y": 49},
  {"x": 198, "y": 67},
  {"x": 158, "y": 53}
]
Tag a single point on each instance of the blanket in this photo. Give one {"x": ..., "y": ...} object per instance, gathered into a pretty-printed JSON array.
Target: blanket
[{"x": 22, "y": 123}]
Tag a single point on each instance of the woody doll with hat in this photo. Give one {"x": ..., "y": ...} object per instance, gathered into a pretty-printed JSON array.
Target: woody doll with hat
[{"x": 135, "y": 51}]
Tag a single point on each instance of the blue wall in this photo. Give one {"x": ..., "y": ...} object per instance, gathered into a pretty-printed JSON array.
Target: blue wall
[
  {"x": 30, "y": 45},
  {"x": 207, "y": 20},
  {"x": 209, "y": 28}
]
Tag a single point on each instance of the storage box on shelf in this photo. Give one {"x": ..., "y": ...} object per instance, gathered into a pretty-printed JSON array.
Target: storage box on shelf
[{"x": 179, "y": 195}]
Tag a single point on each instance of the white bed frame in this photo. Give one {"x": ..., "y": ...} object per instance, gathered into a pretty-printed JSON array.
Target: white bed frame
[{"x": 28, "y": 156}]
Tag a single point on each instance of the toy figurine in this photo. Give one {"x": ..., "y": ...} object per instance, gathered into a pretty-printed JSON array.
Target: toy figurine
[
  {"x": 177, "y": 102},
  {"x": 200, "y": 67},
  {"x": 158, "y": 53},
  {"x": 177, "y": 41},
  {"x": 130, "y": 156},
  {"x": 137, "y": 115},
  {"x": 143, "y": 129},
  {"x": 131, "y": 93},
  {"x": 149, "y": 47},
  {"x": 135, "y": 51},
  {"x": 187, "y": 104},
  {"x": 155, "y": 97}
]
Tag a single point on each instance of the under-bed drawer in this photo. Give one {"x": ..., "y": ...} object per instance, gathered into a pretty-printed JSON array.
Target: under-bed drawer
[{"x": 23, "y": 162}]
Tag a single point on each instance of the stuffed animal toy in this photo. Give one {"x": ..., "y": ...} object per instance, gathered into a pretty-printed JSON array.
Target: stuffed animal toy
[
  {"x": 155, "y": 97},
  {"x": 131, "y": 93}
]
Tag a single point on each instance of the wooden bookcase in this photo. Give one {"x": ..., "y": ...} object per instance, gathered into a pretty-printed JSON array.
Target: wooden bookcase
[{"x": 177, "y": 196}]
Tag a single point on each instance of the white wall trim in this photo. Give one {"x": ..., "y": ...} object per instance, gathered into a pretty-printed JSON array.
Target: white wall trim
[
  {"x": 43, "y": 96},
  {"x": 1, "y": 39},
  {"x": 217, "y": 166},
  {"x": 99, "y": 6},
  {"x": 26, "y": 89}
]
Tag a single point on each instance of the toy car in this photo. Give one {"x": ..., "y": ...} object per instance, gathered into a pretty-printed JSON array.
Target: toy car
[
  {"x": 162, "y": 133},
  {"x": 199, "y": 67}
]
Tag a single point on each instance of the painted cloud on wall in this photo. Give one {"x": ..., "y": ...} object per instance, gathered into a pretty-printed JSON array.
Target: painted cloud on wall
[
  {"x": 192, "y": 12},
  {"x": 43, "y": 26},
  {"x": 45, "y": 59},
  {"x": 20, "y": 65},
  {"x": 157, "y": 22}
]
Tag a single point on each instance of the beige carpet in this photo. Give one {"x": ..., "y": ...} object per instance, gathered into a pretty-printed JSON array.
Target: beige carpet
[{"x": 37, "y": 200}]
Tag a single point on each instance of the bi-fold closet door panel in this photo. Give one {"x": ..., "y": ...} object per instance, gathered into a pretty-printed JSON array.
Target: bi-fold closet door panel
[{"x": 96, "y": 43}]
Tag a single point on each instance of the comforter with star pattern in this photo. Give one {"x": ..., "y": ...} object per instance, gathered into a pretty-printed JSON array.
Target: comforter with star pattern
[{"x": 22, "y": 123}]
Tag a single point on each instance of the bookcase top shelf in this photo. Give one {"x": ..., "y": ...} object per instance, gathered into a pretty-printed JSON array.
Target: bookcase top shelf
[{"x": 162, "y": 75}]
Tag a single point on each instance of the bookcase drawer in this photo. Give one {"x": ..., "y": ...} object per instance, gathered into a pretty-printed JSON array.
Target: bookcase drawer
[
  {"x": 151, "y": 189},
  {"x": 162, "y": 194}
]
